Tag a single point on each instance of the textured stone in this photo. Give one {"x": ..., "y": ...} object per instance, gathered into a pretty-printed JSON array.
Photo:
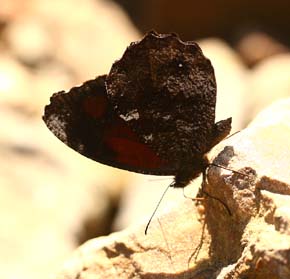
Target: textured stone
[
  {"x": 164, "y": 252},
  {"x": 250, "y": 242}
]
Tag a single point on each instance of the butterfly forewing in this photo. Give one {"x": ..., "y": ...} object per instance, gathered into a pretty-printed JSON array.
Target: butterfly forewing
[{"x": 165, "y": 90}]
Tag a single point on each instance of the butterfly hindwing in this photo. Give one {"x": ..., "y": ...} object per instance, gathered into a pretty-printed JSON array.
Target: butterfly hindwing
[{"x": 84, "y": 120}]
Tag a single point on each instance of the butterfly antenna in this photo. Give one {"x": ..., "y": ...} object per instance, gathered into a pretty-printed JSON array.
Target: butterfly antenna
[
  {"x": 159, "y": 179},
  {"x": 225, "y": 168},
  {"x": 232, "y": 134},
  {"x": 147, "y": 226}
]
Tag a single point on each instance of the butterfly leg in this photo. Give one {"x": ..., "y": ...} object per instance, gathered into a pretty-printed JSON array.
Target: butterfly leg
[
  {"x": 204, "y": 181},
  {"x": 225, "y": 168},
  {"x": 192, "y": 198}
]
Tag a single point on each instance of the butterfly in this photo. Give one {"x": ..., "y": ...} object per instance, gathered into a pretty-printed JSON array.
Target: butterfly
[{"x": 153, "y": 113}]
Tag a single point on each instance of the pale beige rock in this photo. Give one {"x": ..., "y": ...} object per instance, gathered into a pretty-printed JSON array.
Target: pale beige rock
[
  {"x": 89, "y": 35},
  {"x": 163, "y": 253},
  {"x": 256, "y": 46},
  {"x": 232, "y": 81},
  {"x": 269, "y": 81},
  {"x": 15, "y": 82},
  {"x": 251, "y": 242},
  {"x": 29, "y": 40},
  {"x": 30, "y": 91},
  {"x": 140, "y": 198},
  {"x": 255, "y": 237},
  {"x": 67, "y": 41},
  {"x": 51, "y": 197},
  {"x": 10, "y": 9}
]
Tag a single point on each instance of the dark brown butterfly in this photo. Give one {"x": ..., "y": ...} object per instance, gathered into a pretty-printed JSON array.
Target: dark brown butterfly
[{"x": 154, "y": 113}]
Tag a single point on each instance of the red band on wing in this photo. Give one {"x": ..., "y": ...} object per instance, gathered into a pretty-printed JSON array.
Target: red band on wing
[{"x": 129, "y": 150}]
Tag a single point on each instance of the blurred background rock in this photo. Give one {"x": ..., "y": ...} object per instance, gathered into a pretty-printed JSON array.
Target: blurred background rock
[{"x": 51, "y": 198}]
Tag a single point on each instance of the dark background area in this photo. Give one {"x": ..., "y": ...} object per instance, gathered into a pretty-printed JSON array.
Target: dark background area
[{"x": 228, "y": 20}]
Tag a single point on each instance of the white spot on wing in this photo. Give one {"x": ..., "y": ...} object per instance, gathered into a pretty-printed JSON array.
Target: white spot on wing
[
  {"x": 133, "y": 114},
  {"x": 148, "y": 138},
  {"x": 166, "y": 117},
  {"x": 58, "y": 125}
]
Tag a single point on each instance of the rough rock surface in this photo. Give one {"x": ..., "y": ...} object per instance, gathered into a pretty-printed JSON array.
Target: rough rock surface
[{"x": 251, "y": 242}]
